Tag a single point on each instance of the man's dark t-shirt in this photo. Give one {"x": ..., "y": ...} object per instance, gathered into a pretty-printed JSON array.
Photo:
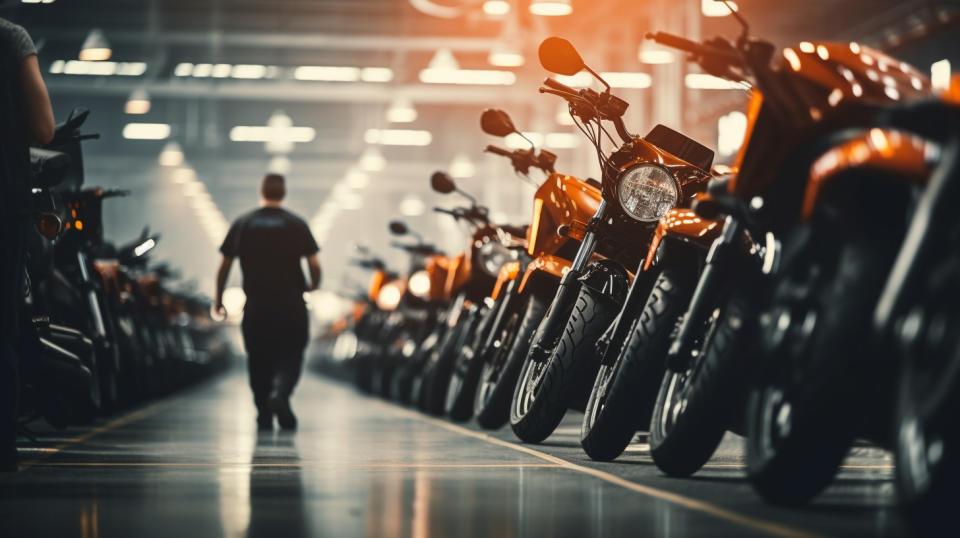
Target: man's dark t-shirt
[{"x": 270, "y": 242}]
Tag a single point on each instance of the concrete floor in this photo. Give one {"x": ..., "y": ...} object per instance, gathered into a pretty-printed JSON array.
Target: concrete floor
[{"x": 194, "y": 465}]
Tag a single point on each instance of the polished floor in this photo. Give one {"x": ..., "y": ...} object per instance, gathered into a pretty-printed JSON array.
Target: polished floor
[{"x": 195, "y": 465}]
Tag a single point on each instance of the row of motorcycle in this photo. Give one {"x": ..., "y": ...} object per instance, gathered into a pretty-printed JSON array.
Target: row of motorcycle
[
  {"x": 101, "y": 326},
  {"x": 805, "y": 299}
]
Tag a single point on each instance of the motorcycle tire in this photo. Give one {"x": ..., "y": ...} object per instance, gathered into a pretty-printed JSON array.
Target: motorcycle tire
[
  {"x": 441, "y": 369},
  {"x": 462, "y": 389},
  {"x": 693, "y": 409},
  {"x": 625, "y": 392},
  {"x": 800, "y": 417},
  {"x": 539, "y": 405},
  {"x": 502, "y": 361},
  {"x": 926, "y": 437}
]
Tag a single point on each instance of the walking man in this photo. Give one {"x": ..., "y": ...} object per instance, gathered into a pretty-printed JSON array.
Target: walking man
[{"x": 270, "y": 242}]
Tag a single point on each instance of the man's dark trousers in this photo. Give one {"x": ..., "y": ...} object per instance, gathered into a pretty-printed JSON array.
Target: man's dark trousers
[{"x": 275, "y": 338}]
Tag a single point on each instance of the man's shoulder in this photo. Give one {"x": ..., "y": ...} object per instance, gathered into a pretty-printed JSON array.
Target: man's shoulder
[{"x": 293, "y": 217}]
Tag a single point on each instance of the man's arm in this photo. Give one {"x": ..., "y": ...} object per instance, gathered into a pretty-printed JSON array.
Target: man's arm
[
  {"x": 37, "y": 102},
  {"x": 222, "y": 273},
  {"x": 314, "y": 262}
]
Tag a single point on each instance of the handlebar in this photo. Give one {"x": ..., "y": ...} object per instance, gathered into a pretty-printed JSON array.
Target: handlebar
[
  {"x": 559, "y": 86},
  {"x": 498, "y": 151},
  {"x": 730, "y": 56}
]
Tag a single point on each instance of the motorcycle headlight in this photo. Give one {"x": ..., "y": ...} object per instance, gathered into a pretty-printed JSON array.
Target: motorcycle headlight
[
  {"x": 647, "y": 192},
  {"x": 493, "y": 255},
  {"x": 420, "y": 284},
  {"x": 389, "y": 296}
]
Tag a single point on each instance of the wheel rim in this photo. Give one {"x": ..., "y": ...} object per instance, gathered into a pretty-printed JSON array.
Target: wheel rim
[
  {"x": 530, "y": 386},
  {"x": 490, "y": 374},
  {"x": 605, "y": 378}
]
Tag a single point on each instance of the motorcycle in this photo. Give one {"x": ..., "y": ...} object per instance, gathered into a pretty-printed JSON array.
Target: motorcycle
[
  {"x": 524, "y": 286},
  {"x": 797, "y": 267},
  {"x": 643, "y": 179}
]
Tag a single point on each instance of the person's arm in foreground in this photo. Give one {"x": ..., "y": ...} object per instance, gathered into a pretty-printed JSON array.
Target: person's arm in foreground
[
  {"x": 36, "y": 100},
  {"x": 222, "y": 273},
  {"x": 313, "y": 261}
]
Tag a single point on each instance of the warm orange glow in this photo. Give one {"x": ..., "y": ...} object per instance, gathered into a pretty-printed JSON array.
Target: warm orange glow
[
  {"x": 792, "y": 58},
  {"x": 535, "y": 227},
  {"x": 79, "y": 224}
]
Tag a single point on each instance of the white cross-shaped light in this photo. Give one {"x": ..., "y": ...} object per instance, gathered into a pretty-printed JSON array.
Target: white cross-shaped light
[{"x": 279, "y": 134}]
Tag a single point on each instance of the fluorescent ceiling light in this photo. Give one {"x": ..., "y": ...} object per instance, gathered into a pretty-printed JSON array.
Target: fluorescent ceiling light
[
  {"x": 95, "y": 47},
  {"x": 731, "y": 128},
  {"x": 172, "y": 155},
  {"x": 468, "y": 76},
  {"x": 580, "y": 80},
  {"x": 222, "y": 70},
  {"x": 138, "y": 102},
  {"x": 551, "y": 8},
  {"x": 496, "y": 7},
  {"x": 356, "y": 179},
  {"x": 461, "y": 167},
  {"x": 263, "y": 133},
  {"x": 202, "y": 70},
  {"x": 412, "y": 206},
  {"x": 37, "y": 1},
  {"x": 401, "y": 111},
  {"x": 372, "y": 160},
  {"x": 327, "y": 73},
  {"x": 146, "y": 131},
  {"x": 443, "y": 59},
  {"x": 650, "y": 53},
  {"x": 183, "y": 69},
  {"x": 563, "y": 114},
  {"x": 703, "y": 81},
  {"x": 504, "y": 56},
  {"x": 627, "y": 80},
  {"x": 561, "y": 140},
  {"x": 248, "y": 71},
  {"x": 279, "y": 164},
  {"x": 713, "y": 8},
  {"x": 398, "y": 137},
  {"x": 376, "y": 74}
]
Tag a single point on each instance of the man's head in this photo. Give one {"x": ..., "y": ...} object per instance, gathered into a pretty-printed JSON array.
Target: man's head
[{"x": 272, "y": 189}]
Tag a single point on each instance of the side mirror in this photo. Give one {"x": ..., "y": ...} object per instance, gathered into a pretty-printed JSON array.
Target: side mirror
[
  {"x": 398, "y": 228},
  {"x": 557, "y": 55},
  {"x": 496, "y": 122},
  {"x": 442, "y": 182}
]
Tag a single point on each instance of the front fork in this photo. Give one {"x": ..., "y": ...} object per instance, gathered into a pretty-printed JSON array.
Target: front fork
[
  {"x": 550, "y": 329},
  {"x": 93, "y": 301},
  {"x": 704, "y": 298}
]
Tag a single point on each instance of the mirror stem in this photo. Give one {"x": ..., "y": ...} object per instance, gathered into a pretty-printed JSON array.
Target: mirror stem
[
  {"x": 465, "y": 194},
  {"x": 598, "y": 77}
]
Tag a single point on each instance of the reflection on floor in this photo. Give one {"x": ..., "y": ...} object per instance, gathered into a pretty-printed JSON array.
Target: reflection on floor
[{"x": 195, "y": 465}]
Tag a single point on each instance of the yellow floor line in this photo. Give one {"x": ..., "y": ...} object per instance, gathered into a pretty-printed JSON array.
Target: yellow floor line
[
  {"x": 769, "y": 527},
  {"x": 131, "y": 417}
]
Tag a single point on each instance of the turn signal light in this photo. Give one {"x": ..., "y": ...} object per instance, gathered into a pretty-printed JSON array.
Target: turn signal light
[{"x": 48, "y": 225}]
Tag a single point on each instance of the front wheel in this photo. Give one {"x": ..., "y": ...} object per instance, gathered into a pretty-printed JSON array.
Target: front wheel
[
  {"x": 625, "y": 391},
  {"x": 694, "y": 408},
  {"x": 502, "y": 362},
  {"x": 927, "y": 437},
  {"x": 802, "y": 413},
  {"x": 547, "y": 388}
]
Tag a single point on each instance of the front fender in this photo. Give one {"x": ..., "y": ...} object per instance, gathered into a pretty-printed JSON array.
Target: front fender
[
  {"x": 894, "y": 153},
  {"x": 686, "y": 226},
  {"x": 544, "y": 268}
]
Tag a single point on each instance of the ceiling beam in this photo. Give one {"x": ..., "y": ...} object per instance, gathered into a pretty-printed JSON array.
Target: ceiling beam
[
  {"x": 347, "y": 92},
  {"x": 276, "y": 40}
]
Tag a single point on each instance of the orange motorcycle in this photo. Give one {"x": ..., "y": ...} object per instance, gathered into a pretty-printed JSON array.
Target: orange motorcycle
[
  {"x": 776, "y": 324},
  {"x": 643, "y": 179}
]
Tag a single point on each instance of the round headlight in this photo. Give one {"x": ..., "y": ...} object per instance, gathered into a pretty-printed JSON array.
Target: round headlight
[
  {"x": 647, "y": 192},
  {"x": 389, "y": 296},
  {"x": 493, "y": 255},
  {"x": 420, "y": 284}
]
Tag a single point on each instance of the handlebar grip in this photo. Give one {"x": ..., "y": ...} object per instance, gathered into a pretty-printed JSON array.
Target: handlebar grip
[
  {"x": 559, "y": 86},
  {"x": 675, "y": 41},
  {"x": 498, "y": 151}
]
